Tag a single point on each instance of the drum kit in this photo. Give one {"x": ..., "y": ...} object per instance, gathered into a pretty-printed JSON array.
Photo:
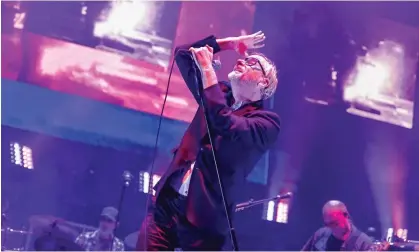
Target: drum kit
[
  {"x": 46, "y": 233},
  {"x": 7, "y": 233}
]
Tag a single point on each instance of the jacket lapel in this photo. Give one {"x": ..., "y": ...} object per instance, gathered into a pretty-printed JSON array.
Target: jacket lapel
[{"x": 197, "y": 130}]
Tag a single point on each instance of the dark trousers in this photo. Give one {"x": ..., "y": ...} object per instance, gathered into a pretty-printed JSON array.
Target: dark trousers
[{"x": 166, "y": 227}]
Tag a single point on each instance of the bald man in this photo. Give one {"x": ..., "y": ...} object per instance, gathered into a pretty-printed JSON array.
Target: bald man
[{"x": 339, "y": 232}]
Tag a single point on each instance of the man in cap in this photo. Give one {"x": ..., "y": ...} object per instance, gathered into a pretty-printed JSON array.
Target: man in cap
[{"x": 103, "y": 239}]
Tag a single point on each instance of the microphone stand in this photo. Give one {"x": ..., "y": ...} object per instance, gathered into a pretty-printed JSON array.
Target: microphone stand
[
  {"x": 252, "y": 203},
  {"x": 6, "y": 231},
  {"x": 229, "y": 219},
  {"x": 127, "y": 176}
]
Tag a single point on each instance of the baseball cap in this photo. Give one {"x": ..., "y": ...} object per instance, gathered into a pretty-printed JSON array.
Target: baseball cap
[{"x": 110, "y": 213}]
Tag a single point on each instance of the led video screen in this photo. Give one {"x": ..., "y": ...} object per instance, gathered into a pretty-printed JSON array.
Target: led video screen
[
  {"x": 117, "y": 52},
  {"x": 381, "y": 86},
  {"x": 369, "y": 71}
]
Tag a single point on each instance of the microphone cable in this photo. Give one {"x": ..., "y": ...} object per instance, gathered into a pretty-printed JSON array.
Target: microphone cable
[
  {"x": 150, "y": 171},
  {"x": 200, "y": 90}
]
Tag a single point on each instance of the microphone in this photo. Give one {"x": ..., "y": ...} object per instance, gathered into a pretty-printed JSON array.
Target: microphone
[
  {"x": 252, "y": 202},
  {"x": 284, "y": 196},
  {"x": 127, "y": 176},
  {"x": 216, "y": 64}
]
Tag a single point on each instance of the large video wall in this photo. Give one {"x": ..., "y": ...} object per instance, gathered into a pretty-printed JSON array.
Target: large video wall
[
  {"x": 116, "y": 52},
  {"x": 97, "y": 72}
]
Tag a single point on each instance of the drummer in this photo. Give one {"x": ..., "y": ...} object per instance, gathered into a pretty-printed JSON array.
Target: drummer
[{"x": 103, "y": 239}]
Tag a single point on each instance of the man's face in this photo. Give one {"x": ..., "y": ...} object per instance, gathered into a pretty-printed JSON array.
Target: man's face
[
  {"x": 337, "y": 221},
  {"x": 246, "y": 75},
  {"x": 106, "y": 225}
]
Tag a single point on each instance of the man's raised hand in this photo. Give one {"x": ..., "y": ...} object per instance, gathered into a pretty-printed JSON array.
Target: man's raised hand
[{"x": 242, "y": 44}]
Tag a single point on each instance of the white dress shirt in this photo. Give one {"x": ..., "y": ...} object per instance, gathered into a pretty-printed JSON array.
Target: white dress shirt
[{"x": 186, "y": 180}]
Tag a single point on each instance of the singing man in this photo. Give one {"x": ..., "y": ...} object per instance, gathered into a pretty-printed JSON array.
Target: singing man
[{"x": 188, "y": 211}]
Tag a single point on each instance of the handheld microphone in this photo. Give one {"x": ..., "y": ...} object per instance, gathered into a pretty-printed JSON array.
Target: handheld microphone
[
  {"x": 127, "y": 176},
  {"x": 216, "y": 64}
]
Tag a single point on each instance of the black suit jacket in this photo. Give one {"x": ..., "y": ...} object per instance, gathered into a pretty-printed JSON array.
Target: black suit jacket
[{"x": 240, "y": 139}]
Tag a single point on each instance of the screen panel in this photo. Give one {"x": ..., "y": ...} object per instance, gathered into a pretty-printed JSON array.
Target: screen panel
[
  {"x": 382, "y": 84},
  {"x": 115, "y": 51},
  {"x": 366, "y": 67},
  {"x": 81, "y": 48}
]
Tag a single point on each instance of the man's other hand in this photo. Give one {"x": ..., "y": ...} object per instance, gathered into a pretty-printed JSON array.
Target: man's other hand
[{"x": 203, "y": 57}]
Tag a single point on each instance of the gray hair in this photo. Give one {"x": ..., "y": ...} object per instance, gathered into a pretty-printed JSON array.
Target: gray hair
[{"x": 272, "y": 76}]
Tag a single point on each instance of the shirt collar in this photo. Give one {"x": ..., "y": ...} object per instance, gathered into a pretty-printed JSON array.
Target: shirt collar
[
  {"x": 239, "y": 105},
  {"x": 96, "y": 235}
]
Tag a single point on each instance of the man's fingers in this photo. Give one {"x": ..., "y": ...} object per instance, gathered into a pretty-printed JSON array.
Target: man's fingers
[
  {"x": 198, "y": 50},
  {"x": 202, "y": 55},
  {"x": 210, "y": 49},
  {"x": 260, "y": 36},
  {"x": 258, "y": 46},
  {"x": 258, "y": 40},
  {"x": 192, "y": 50}
]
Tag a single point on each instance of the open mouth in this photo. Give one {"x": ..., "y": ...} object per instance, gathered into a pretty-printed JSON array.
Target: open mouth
[{"x": 238, "y": 69}]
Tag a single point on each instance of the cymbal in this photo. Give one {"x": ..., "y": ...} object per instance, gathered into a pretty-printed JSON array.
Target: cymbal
[
  {"x": 49, "y": 243},
  {"x": 43, "y": 220},
  {"x": 131, "y": 240},
  {"x": 52, "y": 225}
]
